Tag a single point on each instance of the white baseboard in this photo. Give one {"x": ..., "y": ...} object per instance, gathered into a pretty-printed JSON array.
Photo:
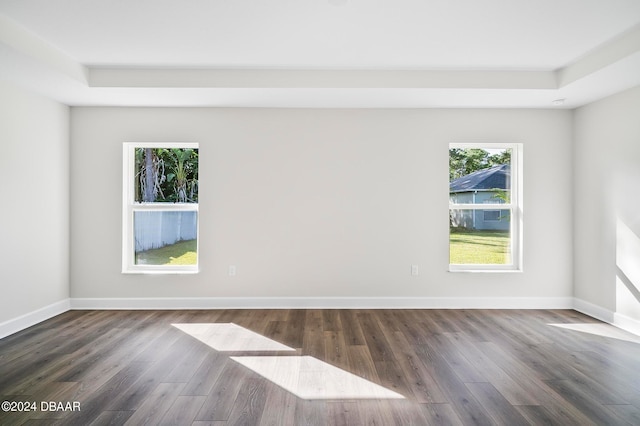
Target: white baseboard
[
  {"x": 324, "y": 303},
  {"x": 592, "y": 310},
  {"x": 629, "y": 324},
  {"x": 25, "y": 321},
  {"x": 624, "y": 322},
  {"x": 32, "y": 318}
]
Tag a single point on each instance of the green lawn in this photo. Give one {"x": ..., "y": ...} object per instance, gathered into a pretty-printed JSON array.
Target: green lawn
[
  {"x": 180, "y": 253},
  {"x": 479, "y": 247}
]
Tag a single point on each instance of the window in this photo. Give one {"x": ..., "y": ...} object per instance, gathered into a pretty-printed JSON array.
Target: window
[
  {"x": 491, "y": 215},
  {"x": 485, "y": 207},
  {"x": 160, "y": 207},
  {"x": 495, "y": 215}
]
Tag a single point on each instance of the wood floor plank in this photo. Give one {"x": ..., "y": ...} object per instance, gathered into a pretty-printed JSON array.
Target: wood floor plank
[
  {"x": 410, "y": 325},
  {"x": 208, "y": 373},
  {"x": 541, "y": 415},
  {"x": 343, "y": 413},
  {"x": 313, "y": 336},
  {"x": 627, "y": 413},
  {"x": 452, "y": 367},
  {"x": 99, "y": 400},
  {"x": 331, "y": 320},
  {"x": 255, "y": 320},
  {"x": 250, "y": 403},
  {"x": 220, "y": 401},
  {"x": 517, "y": 369},
  {"x": 543, "y": 363},
  {"x": 112, "y": 418},
  {"x": 183, "y": 411},
  {"x": 500, "y": 410},
  {"x": 51, "y": 364},
  {"x": 393, "y": 378},
  {"x": 12, "y": 354},
  {"x": 230, "y": 315},
  {"x": 311, "y": 413},
  {"x": 351, "y": 327},
  {"x": 528, "y": 329},
  {"x": 465, "y": 369},
  {"x": 86, "y": 358},
  {"x": 424, "y": 387},
  {"x": 361, "y": 364},
  {"x": 458, "y": 395},
  {"x": 294, "y": 330},
  {"x": 275, "y": 330},
  {"x": 280, "y": 407},
  {"x": 192, "y": 355},
  {"x": 335, "y": 349},
  {"x": 374, "y": 412},
  {"x": 159, "y": 343},
  {"x": 582, "y": 398},
  {"x": 444, "y": 321},
  {"x": 105, "y": 369},
  {"x": 404, "y": 412},
  {"x": 154, "y": 407},
  {"x": 134, "y": 396},
  {"x": 553, "y": 402},
  {"x": 379, "y": 347},
  {"x": 596, "y": 386},
  {"x": 508, "y": 386},
  {"x": 21, "y": 382},
  {"x": 549, "y": 326},
  {"x": 469, "y": 327},
  {"x": 441, "y": 414},
  {"x": 620, "y": 379}
]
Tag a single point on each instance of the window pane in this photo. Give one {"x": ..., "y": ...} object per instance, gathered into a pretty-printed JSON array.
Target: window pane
[
  {"x": 491, "y": 215},
  {"x": 475, "y": 240},
  {"x": 166, "y": 175},
  {"x": 478, "y": 176},
  {"x": 165, "y": 237}
]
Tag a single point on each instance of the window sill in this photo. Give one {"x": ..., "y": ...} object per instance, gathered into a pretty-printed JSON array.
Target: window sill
[
  {"x": 475, "y": 271},
  {"x": 161, "y": 271}
]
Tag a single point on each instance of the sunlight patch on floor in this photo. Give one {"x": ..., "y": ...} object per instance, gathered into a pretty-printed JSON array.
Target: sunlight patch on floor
[
  {"x": 229, "y": 337},
  {"x": 603, "y": 330},
  {"x": 309, "y": 378}
]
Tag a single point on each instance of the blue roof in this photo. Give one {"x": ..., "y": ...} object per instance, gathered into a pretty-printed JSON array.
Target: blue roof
[{"x": 496, "y": 177}]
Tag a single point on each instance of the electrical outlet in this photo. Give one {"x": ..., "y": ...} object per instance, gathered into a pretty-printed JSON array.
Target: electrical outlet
[
  {"x": 414, "y": 270},
  {"x": 232, "y": 270}
]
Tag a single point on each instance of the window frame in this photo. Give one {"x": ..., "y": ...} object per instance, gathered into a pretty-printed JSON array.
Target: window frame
[
  {"x": 130, "y": 206},
  {"x": 514, "y": 206}
]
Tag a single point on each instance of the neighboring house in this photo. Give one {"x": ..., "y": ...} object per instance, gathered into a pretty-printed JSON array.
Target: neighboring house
[{"x": 483, "y": 186}]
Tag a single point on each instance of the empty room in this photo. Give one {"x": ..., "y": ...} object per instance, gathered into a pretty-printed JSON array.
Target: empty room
[{"x": 320, "y": 212}]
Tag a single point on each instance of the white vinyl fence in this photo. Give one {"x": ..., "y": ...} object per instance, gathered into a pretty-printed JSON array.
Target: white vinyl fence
[{"x": 155, "y": 229}]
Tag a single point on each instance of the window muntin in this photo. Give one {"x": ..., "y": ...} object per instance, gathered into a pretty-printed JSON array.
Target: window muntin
[
  {"x": 160, "y": 207},
  {"x": 485, "y": 207}
]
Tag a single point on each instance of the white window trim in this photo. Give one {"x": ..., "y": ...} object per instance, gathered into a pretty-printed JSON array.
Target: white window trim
[
  {"x": 129, "y": 207},
  {"x": 515, "y": 206}
]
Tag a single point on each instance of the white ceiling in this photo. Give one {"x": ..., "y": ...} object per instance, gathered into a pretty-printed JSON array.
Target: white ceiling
[{"x": 322, "y": 53}]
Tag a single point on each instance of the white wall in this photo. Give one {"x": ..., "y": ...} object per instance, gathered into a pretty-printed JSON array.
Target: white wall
[
  {"x": 321, "y": 203},
  {"x": 607, "y": 203},
  {"x": 34, "y": 217}
]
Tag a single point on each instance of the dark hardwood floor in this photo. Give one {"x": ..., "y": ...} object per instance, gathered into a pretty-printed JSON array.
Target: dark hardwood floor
[{"x": 507, "y": 367}]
